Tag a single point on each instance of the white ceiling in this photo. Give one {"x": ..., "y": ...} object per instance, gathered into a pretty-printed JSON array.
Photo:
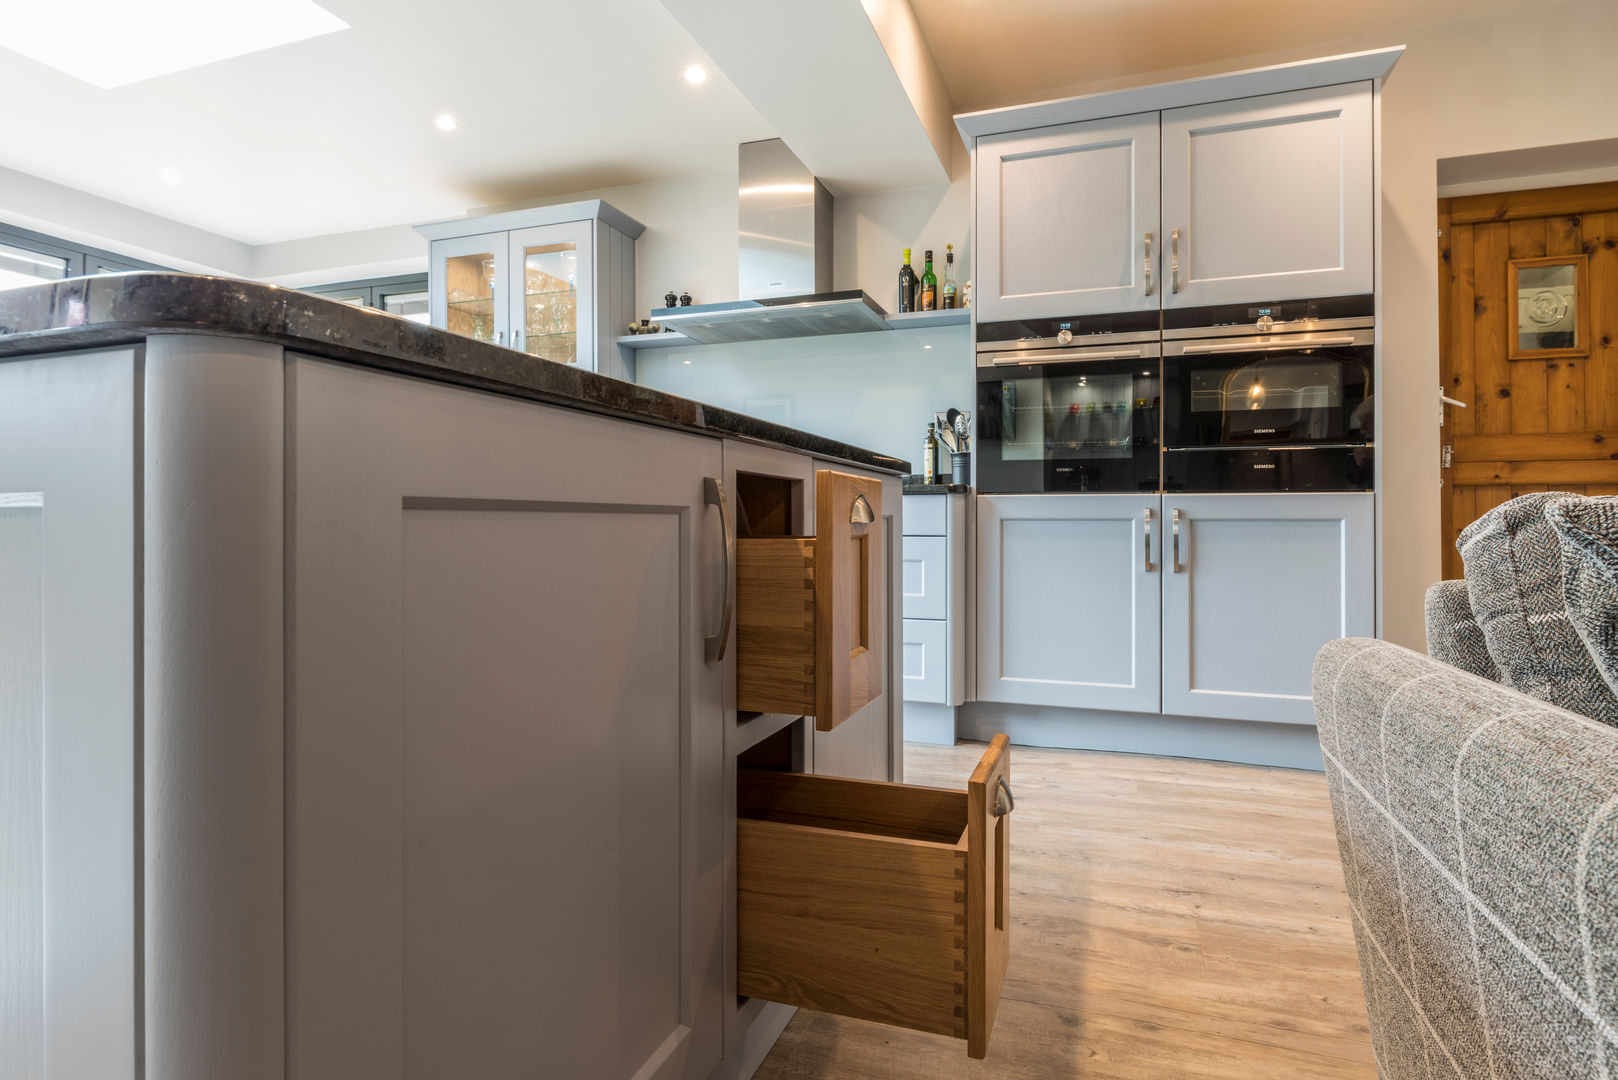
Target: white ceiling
[
  {"x": 1004, "y": 52},
  {"x": 336, "y": 133}
]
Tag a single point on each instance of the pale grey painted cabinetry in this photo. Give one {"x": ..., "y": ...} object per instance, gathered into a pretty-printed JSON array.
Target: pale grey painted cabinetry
[
  {"x": 1258, "y": 198},
  {"x": 937, "y": 550}
]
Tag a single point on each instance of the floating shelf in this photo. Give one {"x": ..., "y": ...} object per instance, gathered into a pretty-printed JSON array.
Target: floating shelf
[
  {"x": 913, "y": 320},
  {"x": 909, "y": 320}
]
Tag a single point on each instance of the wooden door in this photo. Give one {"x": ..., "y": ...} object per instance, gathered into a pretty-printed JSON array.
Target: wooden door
[
  {"x": 1253, "y": 586},
  {"x": 1068, "y": 220},
  {"x": 1068, "y": 600},
  {"x": 1270, "y": 198},
  {"x": 1531, "y": 424},
  {"x": 504, "y": 833}
]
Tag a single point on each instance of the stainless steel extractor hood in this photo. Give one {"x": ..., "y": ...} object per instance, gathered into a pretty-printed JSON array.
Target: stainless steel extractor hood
[{"x": 783, "y": 275}]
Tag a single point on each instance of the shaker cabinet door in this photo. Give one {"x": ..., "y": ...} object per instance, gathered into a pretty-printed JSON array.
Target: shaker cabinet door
[
  {"x": 1067, "y": 220},
  {"x": 1253, "y": 586},
  {"x": 1268, "y": 198},
  {"x": 505, "y": 764},
  {"x": 1068, "y": 600}
]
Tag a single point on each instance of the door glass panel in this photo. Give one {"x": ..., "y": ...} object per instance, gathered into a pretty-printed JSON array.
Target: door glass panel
[
  {"x": 351, "y": 299},
  {"x": 551, "y": 301},
  {"x": 407, "y": 305},
  {"x": 19, "y": 267},
  {"x": 469, "y": 280}
]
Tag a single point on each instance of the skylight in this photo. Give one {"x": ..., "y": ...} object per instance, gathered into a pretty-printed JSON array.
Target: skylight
[{"x": 110, "y": 43}]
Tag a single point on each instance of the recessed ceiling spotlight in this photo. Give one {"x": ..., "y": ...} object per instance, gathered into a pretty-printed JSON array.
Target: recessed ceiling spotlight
[
  {"x": 445, "y": 122},
  {"x": 695, "y": 74},
  {"x": 170, "y": 175},
  {"x": 926, "y": 346}
]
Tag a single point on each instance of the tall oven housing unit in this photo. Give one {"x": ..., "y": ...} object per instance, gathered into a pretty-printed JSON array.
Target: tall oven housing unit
[{"x": 1177, "y": 364}]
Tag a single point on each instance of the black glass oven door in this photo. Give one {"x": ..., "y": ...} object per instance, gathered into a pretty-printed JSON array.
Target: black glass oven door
[{"x": 1307, "y": 395}]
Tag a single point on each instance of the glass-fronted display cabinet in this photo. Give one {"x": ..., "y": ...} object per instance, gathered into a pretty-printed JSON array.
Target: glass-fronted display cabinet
[{"x": 555, "y": 282}]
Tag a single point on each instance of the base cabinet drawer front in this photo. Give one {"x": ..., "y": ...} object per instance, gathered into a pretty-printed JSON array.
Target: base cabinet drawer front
[
  {"x": 926, "y": 515},
  {"x": 809, "y": 640},
  {"x": 884, "y": 902},
  {"x": 1268, "y": 198},
  {"x": 1068, "y": 600},
  {"x": 926, "y": 661},
  {"x": 926, "y": 577},
  {"x": 1259, "y": 583}
]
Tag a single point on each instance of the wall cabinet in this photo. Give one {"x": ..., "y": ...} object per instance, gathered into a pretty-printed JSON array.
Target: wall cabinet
[
  {"x": 1067, "y": 219},
  {"x": 1245, "y": 200},
  {"x": 1253, "y": 586},
  {"x": 1269, "y": 197},
  {"x": 555, "y": 282},
  {"x": 1068, "y": 599}
]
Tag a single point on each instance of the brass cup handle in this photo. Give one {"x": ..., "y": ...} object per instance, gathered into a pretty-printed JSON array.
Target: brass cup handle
[
  {"x": 860, "y": 513},
  {"x": 1003, "y": 801},
  {"x": 713, "y": 494}
]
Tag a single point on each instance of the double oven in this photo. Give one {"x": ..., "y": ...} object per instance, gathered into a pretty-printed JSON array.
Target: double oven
[{"x": 1274, "y": 397}]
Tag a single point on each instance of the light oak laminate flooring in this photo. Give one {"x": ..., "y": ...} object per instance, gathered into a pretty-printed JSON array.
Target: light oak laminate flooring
[{"x": 1170, "y": 919}]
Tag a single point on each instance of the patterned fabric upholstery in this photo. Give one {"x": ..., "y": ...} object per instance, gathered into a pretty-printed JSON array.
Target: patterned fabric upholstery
[
  {"x": 1589, "y": 532},
  {"x": 1479, "y": 836},
  {"x": 1453, "y": 633},
  {"x": 1514, "y": 573}
]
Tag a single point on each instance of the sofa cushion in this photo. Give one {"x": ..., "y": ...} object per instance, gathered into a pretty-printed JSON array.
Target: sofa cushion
[
  {"x": 1588, "y": 529},
  {"x": 1453, "y": 634},
  {"x": 1513, "y": 559}
]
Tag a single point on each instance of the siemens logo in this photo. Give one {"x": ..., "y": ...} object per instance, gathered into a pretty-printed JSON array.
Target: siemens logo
[{"x": 1269, "y": 466}]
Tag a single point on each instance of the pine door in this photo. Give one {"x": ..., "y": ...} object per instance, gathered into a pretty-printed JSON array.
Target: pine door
[{"x": 1537, "y": 418}]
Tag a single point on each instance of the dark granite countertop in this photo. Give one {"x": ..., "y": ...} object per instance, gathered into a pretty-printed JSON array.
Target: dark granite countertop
[
  {"x": 117, "y": 309},
  {"x": 914, "y": 486}
]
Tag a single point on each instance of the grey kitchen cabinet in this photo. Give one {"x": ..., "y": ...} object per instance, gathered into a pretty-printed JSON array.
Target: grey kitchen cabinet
[
  {"x": 1253, "y": 586},
  {"x": 555, "y": 282},
  {"x": 1068, "y": 600},
  {"x": 504, "y": 847},
  {"x": 1269, "y": 198},
  {"x": 1067, "y": 220},
  {"x": 937, "y": 549}
]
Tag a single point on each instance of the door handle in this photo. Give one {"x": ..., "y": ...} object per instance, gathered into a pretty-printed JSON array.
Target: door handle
[
  {"x": 1273, "y": 346},
  {"x": 516, "y": 340},
  {"x": 499, "y": 337},
  {"x": 1174, "y": 258},
  {"x": 1148, "y": 264},
  {"x": 713, "y": 494},
  {"x": 1147, "y": 541},
  {"x": 1178, "y": 569}
]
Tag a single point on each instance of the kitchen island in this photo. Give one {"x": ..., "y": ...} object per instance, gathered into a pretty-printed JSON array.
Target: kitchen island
[{"x": 368, "y": 695}]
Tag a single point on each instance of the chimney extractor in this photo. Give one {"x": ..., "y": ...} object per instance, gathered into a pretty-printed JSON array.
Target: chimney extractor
[{"x": 784, "y": 221}]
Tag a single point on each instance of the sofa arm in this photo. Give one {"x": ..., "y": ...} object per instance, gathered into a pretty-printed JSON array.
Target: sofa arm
[
  {"x": 1453, "y": 633},
  {"x": 1478, "y": 829}
]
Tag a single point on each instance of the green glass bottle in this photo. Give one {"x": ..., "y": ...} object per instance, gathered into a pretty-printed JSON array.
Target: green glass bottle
[{"x": 927, "y": 295}]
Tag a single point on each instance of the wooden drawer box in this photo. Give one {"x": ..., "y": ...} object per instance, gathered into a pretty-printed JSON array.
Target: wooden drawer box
[
  {"x": 885, "y": 902},
  {"x": 809, "y": 609}
]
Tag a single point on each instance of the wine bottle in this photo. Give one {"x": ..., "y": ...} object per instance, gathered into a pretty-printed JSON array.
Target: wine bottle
[
  {"x": 907, "y": 285},
  {"x": 948, "y": 298},
  {"x": 927, "y": 298}
]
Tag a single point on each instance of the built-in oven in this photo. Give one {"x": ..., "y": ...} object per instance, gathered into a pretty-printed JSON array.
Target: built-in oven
[
  {"x": 1068, "y": 413},
  {"x": 1286, "y": 409}
]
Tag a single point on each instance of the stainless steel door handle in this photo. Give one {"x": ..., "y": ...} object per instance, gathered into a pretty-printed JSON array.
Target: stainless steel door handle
[
  {"x": 499, "y": 337},
  {"x": 1178, "y": 569},
  {"x": 713, "y": 494},
  {"x": 516, "y": 339},
  {"x": 1174, "y": 258},
  {"x": 1147, "y": 541},
  {"x": 1148, "y": 264}
]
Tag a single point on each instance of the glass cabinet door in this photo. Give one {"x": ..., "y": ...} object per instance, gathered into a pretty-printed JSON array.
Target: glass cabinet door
[
  {"x": 471, "y": 286},
  {"x": 553, "y": 309}
]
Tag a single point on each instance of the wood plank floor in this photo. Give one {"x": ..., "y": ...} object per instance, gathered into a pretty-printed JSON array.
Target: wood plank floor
[{"x": 1171, "y": 919}]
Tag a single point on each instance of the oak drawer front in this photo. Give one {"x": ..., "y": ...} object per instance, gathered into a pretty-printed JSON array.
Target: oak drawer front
[
  {"x": 926, "y": 661},
  {"x": 926, "y": 577},
  {"x": 925, "y": 515},
  {"x": 808, "y": 639},
  {"x": 883, "y": 902}
]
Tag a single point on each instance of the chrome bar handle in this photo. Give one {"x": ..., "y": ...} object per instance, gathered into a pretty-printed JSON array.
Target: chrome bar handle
[
  {"x": 713, "y": 494},
  {"x": 499, "y": 337},
  {"x": 516, "y": 340},
  {"x": 1174, "y": 257},
  {"x": 1178, "y": 569},
  {"x": 1148, "y": 264},
  {"x": 1147, "y": 541}
]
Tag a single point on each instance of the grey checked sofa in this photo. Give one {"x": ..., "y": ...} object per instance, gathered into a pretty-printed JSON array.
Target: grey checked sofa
[{"x": 1478, "y": 827}]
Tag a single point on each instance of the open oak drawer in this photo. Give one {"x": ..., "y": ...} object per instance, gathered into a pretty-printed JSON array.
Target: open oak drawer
[
  {"x": 885, "y": 902},
  {"x": 809, "y": 639}
]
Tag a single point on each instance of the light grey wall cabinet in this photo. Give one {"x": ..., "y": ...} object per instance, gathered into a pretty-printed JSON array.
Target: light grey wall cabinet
[
  {"x": 1269, "y": 198},
  {"x": 1067, "y": 219},
  {"x": 556, "y": 282},
  {"x": 526, "y": 876},
  {"x": 1253, "y": 586},
  {"x": 1068, "y": 600}
]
